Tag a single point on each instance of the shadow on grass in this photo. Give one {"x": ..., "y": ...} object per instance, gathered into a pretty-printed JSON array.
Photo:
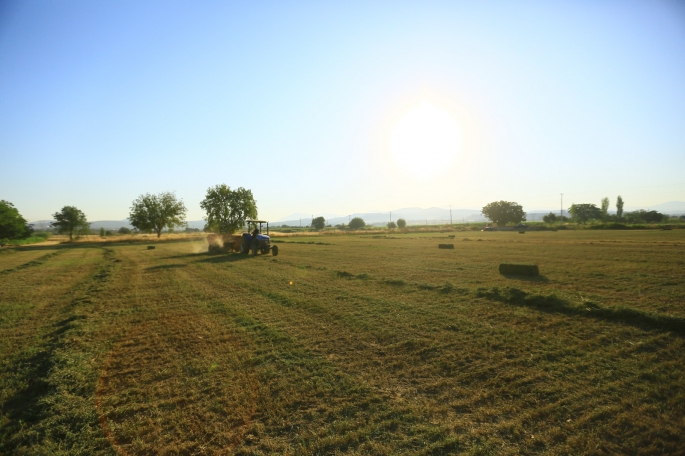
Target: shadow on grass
[
  {"x": 553, "y": 304},
  {"x": 539, "y": 278},
  {"x": 27, "y": 407},
  {"x": 166, "y": 266}
]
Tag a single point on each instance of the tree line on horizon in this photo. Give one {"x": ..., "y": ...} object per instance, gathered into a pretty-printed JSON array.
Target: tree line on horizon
[
  {"x": 227, "y": 210},
  {"x": 505, "y": 212}
]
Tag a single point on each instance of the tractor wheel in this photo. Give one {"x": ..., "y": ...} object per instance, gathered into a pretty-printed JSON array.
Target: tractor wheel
[
  {"x": 274, "y": 250},
  {"x": 244, "y": 247}
]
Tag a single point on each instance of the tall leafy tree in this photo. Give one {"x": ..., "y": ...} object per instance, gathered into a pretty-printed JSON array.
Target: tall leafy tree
[
  {"x": 605, "y": 208},
  {"x": 619, "y": 207},
  {"x": 71, "y": 220},
  {"x": 357, "y": 223},
  {"x": 550, "y": 218},
  {"x": 227, "y": 210},
  {"x": 645, "y": 216},
  {"x": 401, "y": 223},
  {"x": 12, "y": 224},
  {"x": 583, "y": 212},
  {"x": 503, "y": 212},
  {"x": 156, "y": 212},
  {"x": 319, "y": 223}
]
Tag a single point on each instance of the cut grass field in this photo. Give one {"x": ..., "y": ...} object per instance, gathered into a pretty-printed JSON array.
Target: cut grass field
[{"x": 347, "y": 344}]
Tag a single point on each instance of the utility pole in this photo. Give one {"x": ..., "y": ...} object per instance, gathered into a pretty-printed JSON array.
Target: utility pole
[
  {"x": 450, "y": 214},
  {"x": 391, "y": 216},
  {"x": 561, "y": 208}
]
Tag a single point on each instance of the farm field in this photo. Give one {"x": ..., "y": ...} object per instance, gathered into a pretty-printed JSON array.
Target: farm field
[{"x": 365, "y": 344}]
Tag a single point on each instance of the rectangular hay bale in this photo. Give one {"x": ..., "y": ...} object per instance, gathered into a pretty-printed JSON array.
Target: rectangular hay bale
[
  {"x": 519, "y": 269},
  {"x": 445, "y": 246},
  {"x": 150, "y": 247}
]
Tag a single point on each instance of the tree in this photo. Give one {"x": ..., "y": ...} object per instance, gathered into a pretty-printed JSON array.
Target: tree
[
  {"x": 103, "y": 233},
  {"x": 401, "y": 223},
  {"x": 619, "y": 208},
  {"x": 550, "y": 218},
  {"x": 319, "y": 223},
  {"x": 605, "y": 208},
  {"x": 392, "y": 225},
  {"x": 124, "y": 230},
  {"x": 645, "y": 216},
  {"x": 503, "y": 212},
  {"x": 581, "y": 213},
  {"x": 156, "y": 212},
  {"x": 227, "y": 210},
  {"x": 357, "y": 223},
  {"x": 12, "y": 224},
  {"x": 70, "y": 220}
]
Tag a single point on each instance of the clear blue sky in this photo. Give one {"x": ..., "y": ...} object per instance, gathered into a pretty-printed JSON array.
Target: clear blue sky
[{"x": 340, "y": 107}]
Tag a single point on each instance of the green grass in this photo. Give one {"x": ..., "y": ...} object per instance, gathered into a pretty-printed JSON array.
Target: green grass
[
  {"x": 352, "y": 344},
  {"x": 28, "y": 240}
]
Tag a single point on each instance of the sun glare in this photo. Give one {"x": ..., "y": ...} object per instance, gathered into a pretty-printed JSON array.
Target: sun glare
[{"x": 425, "y": 141}]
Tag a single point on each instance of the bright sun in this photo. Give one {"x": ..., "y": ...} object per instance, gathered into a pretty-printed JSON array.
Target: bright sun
[{"x": 425, "y": 141}]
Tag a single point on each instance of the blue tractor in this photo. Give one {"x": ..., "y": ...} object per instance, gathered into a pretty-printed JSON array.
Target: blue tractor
[{"x": 254, "y": 240}]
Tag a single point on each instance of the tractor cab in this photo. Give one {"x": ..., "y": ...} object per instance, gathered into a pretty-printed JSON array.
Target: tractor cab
[{"x": 255, "y": 240}]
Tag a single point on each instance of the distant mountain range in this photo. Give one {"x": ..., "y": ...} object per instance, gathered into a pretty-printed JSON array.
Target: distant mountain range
[{"x": 413, "y": 216}]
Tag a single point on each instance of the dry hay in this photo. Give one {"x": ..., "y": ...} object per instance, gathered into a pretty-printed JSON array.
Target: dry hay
[{"x": 180, "y": 384}]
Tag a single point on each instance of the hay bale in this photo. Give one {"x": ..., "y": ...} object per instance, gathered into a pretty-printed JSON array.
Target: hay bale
[
  {"x": 519, "y": 269},
  {"x": 522, "y": 232},
  {"x": 445, "y": 246},
  {"x": 150, "y": 247}
]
